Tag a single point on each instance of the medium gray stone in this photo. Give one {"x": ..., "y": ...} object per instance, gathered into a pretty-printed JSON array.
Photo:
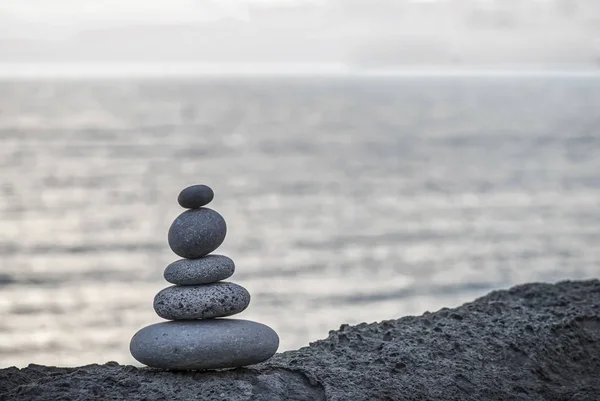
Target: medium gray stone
[
  {"x": 195, "y": 196},
  {"x": 197, "y": 232},
  {"x": 204, "y": 344},
  {"x": 201, "y": 301},
  {"x": 205, "y": 270}
]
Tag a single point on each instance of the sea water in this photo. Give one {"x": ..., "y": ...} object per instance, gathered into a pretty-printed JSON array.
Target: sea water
[{"x": 346, "y": 199}]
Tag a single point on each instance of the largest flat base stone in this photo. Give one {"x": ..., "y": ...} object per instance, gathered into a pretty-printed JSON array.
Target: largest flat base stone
[{"x": 204, "y": 344}]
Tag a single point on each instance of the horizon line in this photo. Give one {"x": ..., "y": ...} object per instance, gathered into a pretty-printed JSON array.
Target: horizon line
[{"x": 102, "y": 70}]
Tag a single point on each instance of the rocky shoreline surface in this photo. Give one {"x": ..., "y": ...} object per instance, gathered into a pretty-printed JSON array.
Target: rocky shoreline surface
[{"x": 531, "y": 342}]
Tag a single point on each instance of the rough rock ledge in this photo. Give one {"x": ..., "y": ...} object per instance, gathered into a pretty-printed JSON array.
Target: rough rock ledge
[{"x": 532, "y": 342}]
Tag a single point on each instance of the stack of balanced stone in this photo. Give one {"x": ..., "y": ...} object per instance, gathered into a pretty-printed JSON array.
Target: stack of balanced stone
[{"x": 196, "y": 337}]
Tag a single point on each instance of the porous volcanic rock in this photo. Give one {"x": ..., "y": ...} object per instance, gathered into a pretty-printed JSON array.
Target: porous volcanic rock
[
  {"x": 532, "y": 342},
  {"x": 201, "y": 301}
]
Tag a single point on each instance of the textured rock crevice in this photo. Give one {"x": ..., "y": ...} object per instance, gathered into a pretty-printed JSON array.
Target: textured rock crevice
[
  {"x": 116, "y": 382},
  {"x": 532, "y": 342}
]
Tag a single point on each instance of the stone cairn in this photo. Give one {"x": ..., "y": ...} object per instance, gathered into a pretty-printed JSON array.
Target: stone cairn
[{"x": 196, "y": 337}]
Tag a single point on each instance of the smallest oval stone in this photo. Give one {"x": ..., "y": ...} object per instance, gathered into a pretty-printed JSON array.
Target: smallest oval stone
[{"x": 195, "y": 196}]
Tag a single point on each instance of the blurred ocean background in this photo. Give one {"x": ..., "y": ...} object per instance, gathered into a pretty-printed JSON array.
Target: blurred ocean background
[{"x": 347, "y": 199}]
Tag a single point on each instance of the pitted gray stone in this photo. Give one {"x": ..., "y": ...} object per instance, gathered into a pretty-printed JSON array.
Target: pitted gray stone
[
  {"x": 197, "y": 232},
  {"x": 205, "y": 270},
  {"x": 195, "y": 196},
  {"x": 204, "y": 344},
  {"x": 201, "y": 301}
]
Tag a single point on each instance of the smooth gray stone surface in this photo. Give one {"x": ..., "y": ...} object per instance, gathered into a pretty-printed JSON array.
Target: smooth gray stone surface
[
  {"x": 204, "y": 344},
  {"x": 195, "y": 196},
  {"x": 205, "y": 270},
  {"x": 201, "y": 301},
  {"x": 197, "y": 232}
]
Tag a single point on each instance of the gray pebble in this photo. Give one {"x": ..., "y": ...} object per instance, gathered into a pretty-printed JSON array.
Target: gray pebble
[
  {"x": 197, "y": 232},
  {"x": 201, "y": 301},
  {"x": 195, "y": 196},
  {"x": 204, "y": 344},
  {"x": 205, "y": 270}
]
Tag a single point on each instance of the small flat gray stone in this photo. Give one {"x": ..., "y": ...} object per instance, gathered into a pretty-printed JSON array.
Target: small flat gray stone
[
  {"x": 201, "y": 301},
  {"x": 197, "y": 232},
  {"x": 205, "y": 270},
  {"x": 204, "y": 344},
  {"x": 195, "y": 196}
]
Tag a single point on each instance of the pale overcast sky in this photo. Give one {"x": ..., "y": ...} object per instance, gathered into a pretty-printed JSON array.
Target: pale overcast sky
[
  {"x": 65, "y": 11},
  {"x": 16, "y": 16},
  {"x": 77, "y": 12},
  {"x": 387, "y": 32}
]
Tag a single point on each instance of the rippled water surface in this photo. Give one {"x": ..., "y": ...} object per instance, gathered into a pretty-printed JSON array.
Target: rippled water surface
[{"x": 347, "y": 200}]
